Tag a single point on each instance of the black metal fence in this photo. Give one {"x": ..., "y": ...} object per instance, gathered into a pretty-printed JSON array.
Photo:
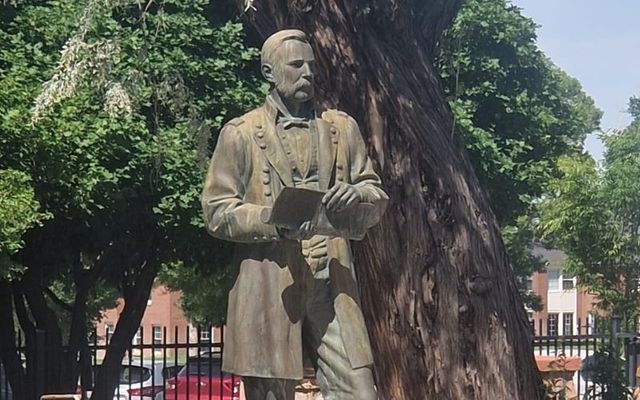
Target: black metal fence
[
  {"x": 605, "y": 352},
  {"x": 171, "y": 364},
  {"x": 185, "y": 363}
]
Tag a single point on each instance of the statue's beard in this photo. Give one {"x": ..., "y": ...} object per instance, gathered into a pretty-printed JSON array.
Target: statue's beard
[{"x": 293, "y": 92}]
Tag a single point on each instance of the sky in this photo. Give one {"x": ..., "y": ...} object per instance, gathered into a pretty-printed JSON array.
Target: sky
[{"x": 598, "y": 43}]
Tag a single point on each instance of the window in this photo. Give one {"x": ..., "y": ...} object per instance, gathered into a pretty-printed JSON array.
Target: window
[
  {"x": 207, "y": 364},
  {"x": 108, "y": 332},
  {"x": 157, "y": 334},
  {"x": 137, "y": 339},
  {"x": 591, "y": 323},
  {"x": 567, "y": 323},
  {"x": 170, "y": 371},
  {"x": 560, "y": 280},
  {"x": 134, "y": 374},
  {"x": 568, "y": 281},
  {"x": 205, "y": 335},
  {"x": 553, "y": 277},
  {"x": 532, "y": 323},
  {"x": 552, "y": 324},
  {"x": 529, "y": 284}
]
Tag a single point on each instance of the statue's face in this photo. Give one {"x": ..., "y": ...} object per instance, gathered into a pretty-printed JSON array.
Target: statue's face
[{"x": 293, "y": 71}]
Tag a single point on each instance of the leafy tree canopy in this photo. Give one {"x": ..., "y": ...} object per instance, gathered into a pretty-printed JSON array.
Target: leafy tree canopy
[
  {"x": 19, "y": 212},
  {"x": 111, "y": 109},
  {"x": 517, "y": 113},
  {"x": 118, "y": 136},
  {"x": 594, "y": 216}
]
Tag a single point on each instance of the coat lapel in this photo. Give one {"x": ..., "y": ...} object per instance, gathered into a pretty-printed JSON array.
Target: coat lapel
[
  {"x": 327, "y": 146},
  {"x": 266, "y": 137}
]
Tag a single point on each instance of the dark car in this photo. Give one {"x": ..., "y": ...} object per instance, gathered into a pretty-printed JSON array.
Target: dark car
[{"x": 202, "y": 379}]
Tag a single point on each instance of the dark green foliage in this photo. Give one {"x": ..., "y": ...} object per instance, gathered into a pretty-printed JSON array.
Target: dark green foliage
[
  {"x": 608, "y": 380},
  {"x": 116, "y": 141},
  {"x": 204, "y": 292},
  {"x": 634, "y": 108},
  {"x": 518, "y": 239},
  {"x": 19, "y": 212},
  {"x": 137, "y": 175},
  {"x": 517, "y": 113}
]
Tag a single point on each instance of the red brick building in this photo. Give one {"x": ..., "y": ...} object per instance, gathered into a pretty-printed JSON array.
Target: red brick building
[
  {"x": 567, "y": 309},
  {"x": 163, "y": 322}
]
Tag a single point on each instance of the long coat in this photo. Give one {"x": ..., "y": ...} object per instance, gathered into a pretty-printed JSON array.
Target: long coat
[{"x": 248, "y": 170}]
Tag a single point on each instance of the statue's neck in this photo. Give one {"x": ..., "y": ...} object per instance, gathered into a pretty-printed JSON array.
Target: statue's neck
[{"x": 295, "y": 108}]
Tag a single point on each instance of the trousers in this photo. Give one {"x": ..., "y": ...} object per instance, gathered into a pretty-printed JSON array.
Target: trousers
[{"x": 322, "y": 340}]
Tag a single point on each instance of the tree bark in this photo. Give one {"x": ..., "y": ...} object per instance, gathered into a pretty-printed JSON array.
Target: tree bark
[
  {"x": 8, "y": 344},
  {"x": 29, "y": 330},
  {"x": 76, "y": 359},
  {"x": 439, "y": 295},
  {"x": 46, "y": 320}
]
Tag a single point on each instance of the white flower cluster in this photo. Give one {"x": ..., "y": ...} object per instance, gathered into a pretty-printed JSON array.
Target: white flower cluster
[
  {"x": 78, "y": 61},
  {"x": 117, "y": 101},
  {"x": 65, "y": 80},
  {"x": 100, "y": 57}
]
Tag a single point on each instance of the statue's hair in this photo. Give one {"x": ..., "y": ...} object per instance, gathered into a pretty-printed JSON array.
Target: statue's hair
[{"x": 274, "y": 41}]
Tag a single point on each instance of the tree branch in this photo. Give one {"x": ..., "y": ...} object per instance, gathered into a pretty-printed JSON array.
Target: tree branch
[
  {"x": 432, "y": 18},
  {"x": 59, "y": 302},
  {"x": 26, "y": 322}
]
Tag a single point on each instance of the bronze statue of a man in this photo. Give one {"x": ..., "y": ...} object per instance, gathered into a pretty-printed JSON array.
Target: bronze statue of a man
[{"x": 295, "y": 290}]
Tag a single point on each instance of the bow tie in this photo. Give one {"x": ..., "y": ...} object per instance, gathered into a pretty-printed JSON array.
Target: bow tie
[{"x": 288, "y": 122}]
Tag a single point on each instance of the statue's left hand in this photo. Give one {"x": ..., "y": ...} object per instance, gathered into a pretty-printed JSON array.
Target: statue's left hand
[
  {"x": 303, "y": 232},
  {"x": 341, "y": 197}
]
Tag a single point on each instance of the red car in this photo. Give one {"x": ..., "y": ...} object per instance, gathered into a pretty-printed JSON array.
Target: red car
[{"x": 202, "y": 379}]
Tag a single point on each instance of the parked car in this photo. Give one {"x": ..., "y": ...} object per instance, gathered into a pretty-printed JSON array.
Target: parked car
[
  {"x": 142, "y": 380},
  {"x": 202, "y": 379}
]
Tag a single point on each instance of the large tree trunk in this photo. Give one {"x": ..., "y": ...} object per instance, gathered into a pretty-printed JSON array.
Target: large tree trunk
[
  {"x": 135, "y": 303},
  {"x": 8, "y": 351},
  {"x": 52, "y": 355},
  {"x": 441, "y": 304}
]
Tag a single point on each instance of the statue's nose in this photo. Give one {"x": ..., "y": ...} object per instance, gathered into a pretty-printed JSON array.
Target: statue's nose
[{"x": 307, "y": 72}]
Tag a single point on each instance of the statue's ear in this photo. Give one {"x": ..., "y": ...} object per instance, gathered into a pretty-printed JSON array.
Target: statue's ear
[{"x": 267, "y": 72}]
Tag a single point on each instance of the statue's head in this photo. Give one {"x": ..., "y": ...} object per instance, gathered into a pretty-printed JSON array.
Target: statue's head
[{"x": 288, "y": 64}]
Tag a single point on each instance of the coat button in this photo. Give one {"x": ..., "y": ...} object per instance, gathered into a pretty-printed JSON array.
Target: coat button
[
  {"x": 259, "y": 125},
  {"x": 266, "y": 169},
  {"x": 334, "y": 140},
  {"x": 267, "y": 192},
  {"x": 260, "y": 134},
  {"x": 333, "y": 130},
  {"x": 263, "y": 146},
  {"x": 266, "y": 180},
  {"x": 339, "y": 166},
  {"x": 255, "y": 238}
]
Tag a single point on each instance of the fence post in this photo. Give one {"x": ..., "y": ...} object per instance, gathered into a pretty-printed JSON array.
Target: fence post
[{"x": 632, "y": 361}]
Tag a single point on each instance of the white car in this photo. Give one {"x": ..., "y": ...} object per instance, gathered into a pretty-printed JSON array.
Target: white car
[{"x": 143, "y": 380}]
